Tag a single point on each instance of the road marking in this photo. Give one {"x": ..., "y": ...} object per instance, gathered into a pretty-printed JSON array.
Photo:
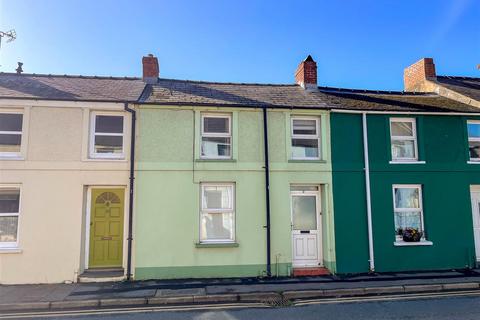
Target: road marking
[
  {"x": 411, "y": 296},
  {"x": 126, "y": 310},
  {"x": 239, "y": 305}
]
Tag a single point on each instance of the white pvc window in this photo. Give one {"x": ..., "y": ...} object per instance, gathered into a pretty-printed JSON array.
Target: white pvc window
[
  {"x": 474, "y": 140},
  {"x": 107, "y": 136},
  {"x": 305, "y": 138},
  {"x": 216, "y": 136},
  {"x": 408, "y": 210},
  {"x": 11, "y": 125},
  {"x": 217, "y": 215},
  {"x": 403, "y": 135},
  {"x": 9, "y": 214}
]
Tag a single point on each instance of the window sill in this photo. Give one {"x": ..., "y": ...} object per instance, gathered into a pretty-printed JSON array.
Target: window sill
[
  {"x": 12, "y": 158},
  {"x": 216, "y": 245},
  {"x": 10, "y": 250},
  {"x": 473, "y": 162},
  {"x": 406, "y": 162},
  {"x": 215, "y": 160},
  {"x": 408, "y": 244},
  {"x": 306, "y": 161},
  {"x": 106, "y": 159}
]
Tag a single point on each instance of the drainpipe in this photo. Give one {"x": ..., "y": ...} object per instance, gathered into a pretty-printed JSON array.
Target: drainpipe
[
  {"x": 130, "y": 199},
  {"x": 367, "y": 191},
  {"x": 267, "y": 188}
]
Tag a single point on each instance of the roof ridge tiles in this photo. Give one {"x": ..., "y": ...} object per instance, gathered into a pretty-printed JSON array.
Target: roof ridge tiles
[
  {"x": 229, "y": 83},
  {"x": 386, "y": 92},
  {"x": 79, "y": 76},
  {"x": 458, "y": 77}
]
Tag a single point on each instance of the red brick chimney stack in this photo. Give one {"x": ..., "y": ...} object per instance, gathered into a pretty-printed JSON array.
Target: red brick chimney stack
[
  {"x": 306, "y": 74},
  {"x": 414, "y": 76},
  {"x": 150, "y": 69}
]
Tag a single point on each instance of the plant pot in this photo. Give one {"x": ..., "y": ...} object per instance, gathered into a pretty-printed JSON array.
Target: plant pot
[{"x": 412, "y": 235}]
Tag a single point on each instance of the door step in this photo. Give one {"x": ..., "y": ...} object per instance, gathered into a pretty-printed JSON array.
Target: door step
[
  {"x": 310, "y": 271},
  {"x": 102, "y": 275}
]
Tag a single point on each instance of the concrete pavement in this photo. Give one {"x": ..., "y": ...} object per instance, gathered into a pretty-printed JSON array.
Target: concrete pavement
[{"x": 275, "y": 292}]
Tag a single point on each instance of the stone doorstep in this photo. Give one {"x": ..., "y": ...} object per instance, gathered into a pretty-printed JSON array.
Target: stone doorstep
[{"x": 262, "y": 297}]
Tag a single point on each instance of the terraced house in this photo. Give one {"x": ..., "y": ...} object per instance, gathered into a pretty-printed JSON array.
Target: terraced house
[
  {"x": 232, "y": 180},
  {"x": 152, "y": 178},
  {"x": 64, "y": 175}
]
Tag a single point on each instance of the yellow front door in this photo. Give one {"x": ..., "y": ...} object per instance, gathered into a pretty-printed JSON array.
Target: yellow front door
[{"x": 106, "y": 228}]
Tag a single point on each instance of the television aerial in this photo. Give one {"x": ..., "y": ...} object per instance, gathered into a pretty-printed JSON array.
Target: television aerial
[{"x": 9, "y": 35}]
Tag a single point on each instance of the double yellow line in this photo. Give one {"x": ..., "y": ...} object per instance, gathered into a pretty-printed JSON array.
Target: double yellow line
[
  {"x": 239, "y": 305},
  {"x": 128, "y": 310}
]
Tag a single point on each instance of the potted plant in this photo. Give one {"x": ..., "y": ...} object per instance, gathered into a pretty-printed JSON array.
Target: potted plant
[{"x": 411, "y": 235}]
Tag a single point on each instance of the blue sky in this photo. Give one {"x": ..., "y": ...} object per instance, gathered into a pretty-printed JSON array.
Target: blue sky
[{"x": 357, "y": 44}]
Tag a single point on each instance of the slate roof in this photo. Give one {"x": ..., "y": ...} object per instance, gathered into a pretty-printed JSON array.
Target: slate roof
[
  {"x": 397, "y": 101},
  {"x": 168, "y": 91},
  {"x": 81, "y": 88},
  {"x": 184, "y": 92},
  {"x": 199, "y": 93},
  {"x": 467, "y": 86}
]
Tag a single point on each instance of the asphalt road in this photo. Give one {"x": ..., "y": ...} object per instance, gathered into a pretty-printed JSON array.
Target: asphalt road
[{"x": 433, "y": 308}]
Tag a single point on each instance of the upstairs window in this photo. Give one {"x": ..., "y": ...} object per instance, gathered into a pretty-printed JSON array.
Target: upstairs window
[
  {"x": 216, "y": 136},
  {"x": 474, "y": 140},
  {"x": 217, "y": 216},
  {"x": 107, "y": 136},
  {"x": 10, "y": 134},
  {"x": 9, "y": 212},
  {"x": 408, "y": 212},
  {"x": 403, "y": 136},
  {"x": 305, "y": 138}
]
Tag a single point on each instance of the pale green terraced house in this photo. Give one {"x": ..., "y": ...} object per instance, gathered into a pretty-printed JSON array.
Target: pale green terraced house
[{"x": 203, "y": 179}]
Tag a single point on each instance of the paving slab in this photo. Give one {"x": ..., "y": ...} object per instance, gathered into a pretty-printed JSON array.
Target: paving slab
[
  {"x": 216, "y": 298},
  {"x": 461, "y": 286},
  {"x": 74, "y": 304},
  {"x": 170, "y": 300},
  {"x": 180, "y": 292},
  {"x": 134, "y": 293},
  {"x": 423, "y": 288}
]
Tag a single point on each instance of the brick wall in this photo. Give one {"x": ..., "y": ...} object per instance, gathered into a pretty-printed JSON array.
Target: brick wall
[{"x": 414, "y": 76}]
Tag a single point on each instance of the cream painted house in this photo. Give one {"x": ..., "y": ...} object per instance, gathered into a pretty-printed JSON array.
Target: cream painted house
[{"x": 64, "y": 177}]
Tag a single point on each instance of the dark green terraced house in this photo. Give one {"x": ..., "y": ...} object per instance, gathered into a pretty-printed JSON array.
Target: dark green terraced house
[{"x": 406, "y": 177}]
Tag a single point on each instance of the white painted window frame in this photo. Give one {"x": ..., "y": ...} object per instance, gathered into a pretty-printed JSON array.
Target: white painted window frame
[
  {"x": 398, "y": 238},
  {"x": 216, "y": 135},
  {"x": 205, "y": 211},
  {"x": 12, "y": 245},
  {"x": 14, "y": 155},
  {"x": 306, "y": 136},
  {"x": 473, "y": 139},
  {"x": 413, "y": 138},
  {"x": 92, "y": 153}
]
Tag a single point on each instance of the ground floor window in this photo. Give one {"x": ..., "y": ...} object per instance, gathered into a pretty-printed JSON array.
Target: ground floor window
[
  {"x": 217, "y": 214},
  {"x": 408, "y": 212},
  {"x": 9, "y": 213}
]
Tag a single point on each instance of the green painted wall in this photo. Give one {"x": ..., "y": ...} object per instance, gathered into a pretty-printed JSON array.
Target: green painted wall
[
  {"x": 168, "y": 177},
  {"x": 445, "y": 178}
]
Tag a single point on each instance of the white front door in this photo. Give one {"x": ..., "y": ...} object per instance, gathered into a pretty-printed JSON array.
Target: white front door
[
  {"x": 306, "y": 226},
  {"x": 476, "y": 221}
]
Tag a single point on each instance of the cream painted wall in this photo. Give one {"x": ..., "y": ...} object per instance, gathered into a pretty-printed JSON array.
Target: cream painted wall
[{"x": 54, "y": 175}]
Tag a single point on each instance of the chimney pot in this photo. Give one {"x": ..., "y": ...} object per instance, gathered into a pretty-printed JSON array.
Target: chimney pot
[
  {"x": 150, "y": 68},
  {"x": 306, "y": 74},
  {"x": 19, "y": 69}
]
